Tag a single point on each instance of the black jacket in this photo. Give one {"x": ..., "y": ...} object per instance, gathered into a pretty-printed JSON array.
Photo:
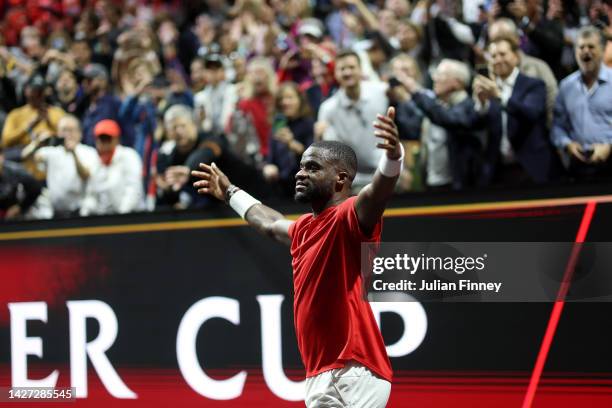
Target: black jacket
[
  {"x": 527, "y": 134},
  {"x": 17, "y": 186}
]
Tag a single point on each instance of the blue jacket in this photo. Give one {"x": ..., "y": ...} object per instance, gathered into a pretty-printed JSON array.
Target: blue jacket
[
  {"x": 107, "y": 107},
  {"x": 527, "y": 134}
]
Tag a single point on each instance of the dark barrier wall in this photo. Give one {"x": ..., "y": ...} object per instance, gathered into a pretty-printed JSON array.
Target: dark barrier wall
[{"x": 200, "y": 314}]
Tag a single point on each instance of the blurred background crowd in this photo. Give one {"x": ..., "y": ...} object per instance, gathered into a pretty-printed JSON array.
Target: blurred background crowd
[{"x": 106, "y": 106}]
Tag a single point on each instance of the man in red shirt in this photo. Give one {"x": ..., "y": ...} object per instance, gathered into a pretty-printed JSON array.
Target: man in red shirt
[{"x": 339, "y": 341}]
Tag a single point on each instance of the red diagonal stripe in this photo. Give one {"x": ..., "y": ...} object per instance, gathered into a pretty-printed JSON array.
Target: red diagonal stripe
[{"x": 558, "y": 306}]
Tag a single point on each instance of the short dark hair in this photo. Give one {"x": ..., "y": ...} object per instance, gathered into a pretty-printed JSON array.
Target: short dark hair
[
  {"x": 342, "y": 155},
  {"x": 347, "y": 53}
]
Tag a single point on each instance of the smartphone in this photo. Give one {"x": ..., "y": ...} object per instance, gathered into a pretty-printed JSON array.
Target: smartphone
[
  {"x": 483, "y": 70},
  {"x": 394, "y": 82},
  {"x": 279, "y": 123}
]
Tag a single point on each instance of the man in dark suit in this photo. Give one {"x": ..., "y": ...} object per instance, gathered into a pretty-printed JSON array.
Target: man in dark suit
[
  {"x": 518, "y": 150},
  {"x": 449, "y": 137}
]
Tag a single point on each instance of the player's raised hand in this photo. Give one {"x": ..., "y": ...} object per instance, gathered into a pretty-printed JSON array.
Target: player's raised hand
[
  {"x": 212, "y": 182},
  {"x": 387, "y": 131}
]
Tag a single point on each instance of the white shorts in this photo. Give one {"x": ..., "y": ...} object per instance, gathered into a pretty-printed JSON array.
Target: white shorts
[{"x": 353, "y": 386}]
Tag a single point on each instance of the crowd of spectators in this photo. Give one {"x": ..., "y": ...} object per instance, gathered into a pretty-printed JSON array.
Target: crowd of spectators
[{"x": 106, "y": 105}]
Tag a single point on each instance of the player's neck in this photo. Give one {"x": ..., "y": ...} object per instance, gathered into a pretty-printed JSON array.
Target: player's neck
[{"x": 319, "y": 206}]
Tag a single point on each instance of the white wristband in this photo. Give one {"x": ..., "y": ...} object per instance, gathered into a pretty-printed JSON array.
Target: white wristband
[
  {"x": 391, "y": 168},
  {"x": 241, "y": 202}
]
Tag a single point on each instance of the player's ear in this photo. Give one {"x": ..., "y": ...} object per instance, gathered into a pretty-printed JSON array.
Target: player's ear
[{"x": 342, "y": 179}]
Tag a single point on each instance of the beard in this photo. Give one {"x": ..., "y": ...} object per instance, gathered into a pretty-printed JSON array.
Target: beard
[{"x": 313, "y": 193}]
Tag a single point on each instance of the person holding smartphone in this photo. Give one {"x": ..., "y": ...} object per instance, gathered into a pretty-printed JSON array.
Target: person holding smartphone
[{"x": 582, "y": 124}]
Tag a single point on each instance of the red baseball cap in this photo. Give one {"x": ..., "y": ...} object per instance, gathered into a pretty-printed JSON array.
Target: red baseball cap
[{"x": 107, "y": 127}]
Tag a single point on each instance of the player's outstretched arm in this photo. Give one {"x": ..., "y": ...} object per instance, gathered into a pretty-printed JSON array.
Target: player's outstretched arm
[
  {"x": 264, "y": 219},
  {"x": 373, "y": 198}
]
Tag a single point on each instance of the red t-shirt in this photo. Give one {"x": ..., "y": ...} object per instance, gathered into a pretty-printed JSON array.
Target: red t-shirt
[{"x": 333, "y": 322}]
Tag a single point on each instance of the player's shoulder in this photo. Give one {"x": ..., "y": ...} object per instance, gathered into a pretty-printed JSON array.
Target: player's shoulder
[
  {"x": 345, "y": 208},
  {"x": 298, "y": 224},
  {"x": 349, "y": 202},
  {"x": 302, "y": 219}
]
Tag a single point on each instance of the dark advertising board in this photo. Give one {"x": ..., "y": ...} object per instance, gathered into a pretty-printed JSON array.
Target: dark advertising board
[{"x": 191, "y": 312}]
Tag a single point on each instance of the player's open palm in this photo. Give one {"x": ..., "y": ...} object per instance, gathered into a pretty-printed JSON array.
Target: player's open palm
[
  {"x": 212, "y": 181},
  {"x": 386, "y": 130}
]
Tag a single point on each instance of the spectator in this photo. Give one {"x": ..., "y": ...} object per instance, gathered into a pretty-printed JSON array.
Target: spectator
[
  {"x": 239, "y": 69},
  {"x": 177, "y": 92},
  {"x": 607, "y": 6},
  {"x": 451, "y": 145},
  {"x": 518, "y": 150},
  {"x": 322, "y": 86},
  {"x": 168, "y": 36},
  {"x": 530, "y": 66},
  {"x": 400, "y": 8},
  {"x": 102, "y": 104},
  {"x": 542, "y": 36},
  {"x": 387, "y": 23},
  {"x": 445, "y": 35},
  {"x": 583, "y": 112},
  {"x": 13, "y": 180},
  {"x": 116, "y": 185},
  {"x": 198, "y": 75},
  {"x": 258, "y": 103},
  {"x": 348, "y": 115},
  {"x": 132, "y": 63},
  {"x": 216, "y": 102},
  {"x": 373, "y": 58},
  {"x": 81, "y": 52},
  {"x": 408, "y": 40},
  {"x": 138, "y": 113},
  {"x": 295, "y": 64},
  {"x": 334, "y": 22},
  {"x": 29, "y": 122},
  {"x": 408, "y": 116},
  {"x": 404, "y": 64},
  {"x": 375, "y": 50},
  {"x": 53, "y": 63},
  {"x": 68, "y": 167},
  {"x": 174, "y": 166},
  {"x": 25, "y": 57},
  {"x": 293, "y": 132},
  {"x": 68, "y": 94},
  {"x": 8, "y": 98}
]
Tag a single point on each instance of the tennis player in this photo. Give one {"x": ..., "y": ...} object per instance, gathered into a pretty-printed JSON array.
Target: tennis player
[{"x": 340, "y": 344}]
